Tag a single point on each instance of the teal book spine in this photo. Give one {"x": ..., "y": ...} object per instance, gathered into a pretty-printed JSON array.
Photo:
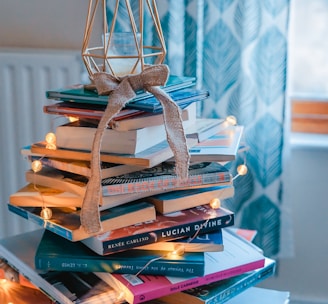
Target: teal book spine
[{"x": 55, "y": 253}]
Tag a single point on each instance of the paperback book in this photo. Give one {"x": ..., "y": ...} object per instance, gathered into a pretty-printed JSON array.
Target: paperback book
[
  {"x": 66, "y": 221},
  {"x": 62, "y": 287},
  {"x": 82, "y": 167},
  {"x": 223, "y": 290},
  {"x": 238, "y": 257},
  {"x": 159, "y": 178},
  {"x": 55, "y": 253},
  {"x": 147, "y": 158},
  {"x": 78, "y": 92},
  {"x": 183, "y": 199},
  {"x": 175, "y": 225},
  {"x": 220, "y": 147},
  {"x": 79, "y": 135}
]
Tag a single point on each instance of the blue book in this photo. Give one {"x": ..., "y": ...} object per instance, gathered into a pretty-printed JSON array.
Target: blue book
[
  {"x": 55, "y": 253},
  {"x": 78, "y": 93},
  {"x": 221, "y": 291},
  {"x": 66, "y": 221}
]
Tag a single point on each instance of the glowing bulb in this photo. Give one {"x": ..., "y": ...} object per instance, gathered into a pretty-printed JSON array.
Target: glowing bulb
[
  {"x": 178, "y": 250},
  {"x": 242, "y": 169},
  {"x": 46, "y": 213},
  {"x": 51, "y": 146},
  {"x": 72, "y": 119},
  {"x": 232, "y": 120},
  {"x": 215, "y": 203},
  {"x": 3, "y": 281},
  {"x": 50, "y": 138},
  {"x": 36, "y": 166}
]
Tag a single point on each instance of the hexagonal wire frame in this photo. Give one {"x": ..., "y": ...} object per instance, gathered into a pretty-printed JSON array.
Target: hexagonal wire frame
[{"x": 97, "y": 59}]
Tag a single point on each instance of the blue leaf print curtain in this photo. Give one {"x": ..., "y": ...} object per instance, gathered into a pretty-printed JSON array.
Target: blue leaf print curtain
[{"x": 237, "y": 49}]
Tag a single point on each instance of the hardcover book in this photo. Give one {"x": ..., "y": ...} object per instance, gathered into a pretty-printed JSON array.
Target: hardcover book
[
  {"x": 238, "y": 257},
  {"x": 211, "y": 241},
  {"x": 79, "y": 135},
  {"x": 183, "y": 199},
  {"x": 66, "y": 221},
  {"x": 186, "y": 223},
  {"x": 61, "y": 287},
  {"x": 127, "y": 119},
  {"x": 80, "y": 94},
  {"x": 58, "y": 254},
  {"x": 223, "y": 146},
  {"x": 159, "y": 178},
  {"x": 224, "y": 290}
]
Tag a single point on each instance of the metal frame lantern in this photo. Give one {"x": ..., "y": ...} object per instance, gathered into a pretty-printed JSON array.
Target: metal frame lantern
[{"x": 112, "y": 55}]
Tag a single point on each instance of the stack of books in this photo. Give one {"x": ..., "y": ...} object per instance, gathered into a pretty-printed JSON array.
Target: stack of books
[{"x": 160, "y": 236}]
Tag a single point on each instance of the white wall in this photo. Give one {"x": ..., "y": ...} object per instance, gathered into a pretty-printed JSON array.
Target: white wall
[{"x": 60, "y": 24}]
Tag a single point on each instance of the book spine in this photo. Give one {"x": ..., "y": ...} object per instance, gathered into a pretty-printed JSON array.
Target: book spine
[
  {"x": 128, "y": 266},
  {"x": 166, "y": 234},
  {"x": 140, "y": 293},
  {"x": 164, "y": 184},
  {"x": 41, "y": 222}
]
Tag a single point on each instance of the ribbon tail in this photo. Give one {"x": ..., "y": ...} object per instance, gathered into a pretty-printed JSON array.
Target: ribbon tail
[
  {"x": 90, "y": 218},
  {"x": 174, "y": 130}
]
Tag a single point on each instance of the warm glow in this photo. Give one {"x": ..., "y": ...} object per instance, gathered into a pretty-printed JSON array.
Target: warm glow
[
  {"x": 215, "y": 203},
  {"x": 50, "y": 138},
  {"x": 242, "y": 169},
  {"x": 179, "y": 250},
  {"x": 232, "y": 120},
  {"x": 36, "y": 166},
  {"x": 46, "y": 213}
]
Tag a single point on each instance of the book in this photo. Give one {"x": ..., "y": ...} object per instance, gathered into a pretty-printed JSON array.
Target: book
[
  {"x": 175, "y": 225},
  {"x": 61, "y": 287},
  {"x": 183, "y": 199},
  {"x": 55, "y": 253},
  {"x": 79, "y": 93},
  {"x": 159, "y": 178},
  {"x": 147, "y": 158},
  {"x": 79, "y": 135},
  {"x": 37, "y": 196},
  {"x": 239, "y": 256},
  {"x": 223, "y": 290},
  {"x": 223, "y": 146},
  {"x": 33, "y": 195},
  {"x": 86, "y": 111},
  {"x": 128, "y": 119},
  {"x": 203, "y": 128},
  {"x": 211, "y": 241},
  {"x": 66, "y": 221},
  {"x": 82, "y": 167}
]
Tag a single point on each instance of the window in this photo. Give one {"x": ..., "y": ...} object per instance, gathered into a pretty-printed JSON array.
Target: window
[{"x": 308, "y": 66}]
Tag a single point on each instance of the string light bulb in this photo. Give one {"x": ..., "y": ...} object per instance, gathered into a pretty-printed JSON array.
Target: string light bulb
[
  {"x": 232, "y": 120},
  {"x": 242, "y": 169},
  {"x": 36, "y": 166},
  {"x": 51, "y": 141},
  {"x": 46, "y": 213},
  {"x": 215, "y": 203},
  {"x": 179, "y": 250}
]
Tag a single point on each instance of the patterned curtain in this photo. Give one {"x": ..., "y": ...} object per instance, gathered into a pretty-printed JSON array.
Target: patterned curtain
[{"x": 237, "y": 49}]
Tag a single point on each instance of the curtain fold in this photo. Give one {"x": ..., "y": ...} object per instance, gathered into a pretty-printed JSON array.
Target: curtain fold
[{"x": 237, "y": 49}]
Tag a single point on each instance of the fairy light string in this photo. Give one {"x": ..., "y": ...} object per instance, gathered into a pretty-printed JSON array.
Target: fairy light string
[{"x": 178, "y": 250}]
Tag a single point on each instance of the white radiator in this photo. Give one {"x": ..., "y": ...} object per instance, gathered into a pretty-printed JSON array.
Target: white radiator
[{"x": 25, "y": 75}]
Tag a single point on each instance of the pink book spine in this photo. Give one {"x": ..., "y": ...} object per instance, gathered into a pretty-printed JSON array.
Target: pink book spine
[{"x": 157, "y": 286}]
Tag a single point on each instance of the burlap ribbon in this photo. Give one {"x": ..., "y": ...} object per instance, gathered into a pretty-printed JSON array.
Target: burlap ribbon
[{"x": 120, "y": 92}]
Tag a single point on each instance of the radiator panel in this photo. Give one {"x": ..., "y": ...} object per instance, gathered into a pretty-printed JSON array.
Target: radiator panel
[{"x": 25, "y": 75}]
